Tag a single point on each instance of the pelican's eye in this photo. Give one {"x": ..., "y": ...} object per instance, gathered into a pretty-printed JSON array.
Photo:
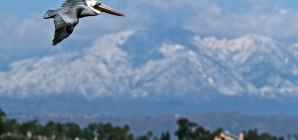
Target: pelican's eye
[{"x": 98, "y": 4}]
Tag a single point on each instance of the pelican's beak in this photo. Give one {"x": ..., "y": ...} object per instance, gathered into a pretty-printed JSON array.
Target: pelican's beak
[{"x": 106, "y": 9}]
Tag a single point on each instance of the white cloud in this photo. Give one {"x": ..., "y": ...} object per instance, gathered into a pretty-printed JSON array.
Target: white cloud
[
  {"x": 273, "y": 21},
  {"x": 24, "y": 38}
]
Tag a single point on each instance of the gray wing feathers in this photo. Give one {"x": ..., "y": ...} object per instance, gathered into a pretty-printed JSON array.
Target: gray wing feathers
[
  {"x": 72, "y": 2},
  {"x": 62, "y": 33},
  {"x": 64, "y": 24}
]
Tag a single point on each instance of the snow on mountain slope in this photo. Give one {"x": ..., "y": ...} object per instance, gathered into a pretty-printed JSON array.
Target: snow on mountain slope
[
  {"x": 95, "y": 70},
  {"x": 251, "y": 64},
  {"x": 261, "y": 61}
]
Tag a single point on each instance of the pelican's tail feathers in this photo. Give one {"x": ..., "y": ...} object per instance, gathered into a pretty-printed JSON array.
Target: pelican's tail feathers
[{"x": 49, "y": 14}]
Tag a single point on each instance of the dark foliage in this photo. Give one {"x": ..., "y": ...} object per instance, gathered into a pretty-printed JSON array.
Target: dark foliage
[
  {"x": 10, "y": 129},
  {"x": 254, "y": 135},
  {"x": 192, "y": 131},
  {"x": 2, "y": 125}
]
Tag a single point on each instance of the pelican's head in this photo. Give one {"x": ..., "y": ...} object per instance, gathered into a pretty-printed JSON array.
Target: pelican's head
[{"x": 99, "y": 7}]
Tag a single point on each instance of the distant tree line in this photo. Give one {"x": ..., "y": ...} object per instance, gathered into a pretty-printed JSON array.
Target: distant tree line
[{"x": 10, "y": 129}]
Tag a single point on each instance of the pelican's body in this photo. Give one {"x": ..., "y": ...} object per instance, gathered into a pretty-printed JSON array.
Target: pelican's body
[{"x": 67, "y": 17}]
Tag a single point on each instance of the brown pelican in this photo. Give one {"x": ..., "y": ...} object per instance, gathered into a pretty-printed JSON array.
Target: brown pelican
[{"x": 67, "y": 17}]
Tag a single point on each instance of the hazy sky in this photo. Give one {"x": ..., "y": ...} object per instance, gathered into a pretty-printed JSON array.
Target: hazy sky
[
  {"x": 25, "y": 8},
  {"x": 25, "y": 34},
  {"x": 26, "y": 37}
]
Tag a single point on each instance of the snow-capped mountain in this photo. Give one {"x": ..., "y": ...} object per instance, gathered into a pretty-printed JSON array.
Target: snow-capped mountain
[
  {"x": 263, "y": 65},
  {"x": 144, "y": 63}
]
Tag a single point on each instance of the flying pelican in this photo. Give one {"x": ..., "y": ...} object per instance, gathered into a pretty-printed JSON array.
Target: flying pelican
[{"x": 67, "y": 17}]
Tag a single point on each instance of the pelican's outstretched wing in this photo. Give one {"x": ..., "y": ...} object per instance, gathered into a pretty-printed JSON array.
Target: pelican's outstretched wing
[
  {"x": 72, "y": 2},
  {"x": 64, "y": 25}
]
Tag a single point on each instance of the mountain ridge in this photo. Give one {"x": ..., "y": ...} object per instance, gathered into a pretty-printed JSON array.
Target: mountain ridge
[{"x": 252, "y": 64}]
